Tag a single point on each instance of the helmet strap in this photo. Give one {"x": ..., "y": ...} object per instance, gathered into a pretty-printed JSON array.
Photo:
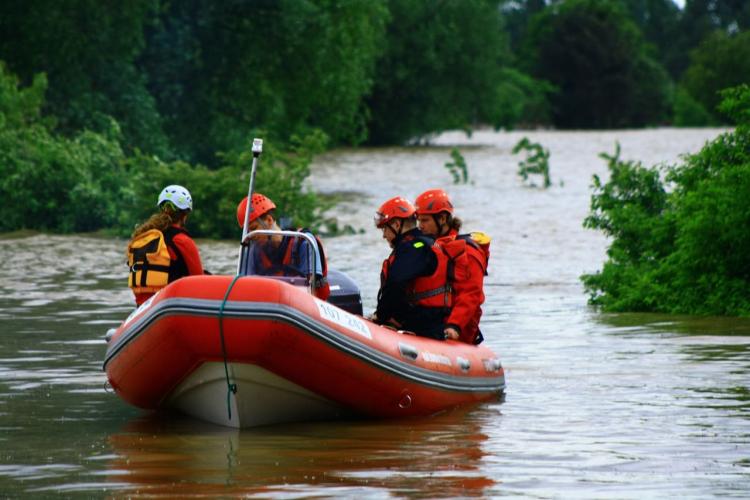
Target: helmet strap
[
  {"x": 390, "y": 226},
  {"x": 436, "y": 218}
]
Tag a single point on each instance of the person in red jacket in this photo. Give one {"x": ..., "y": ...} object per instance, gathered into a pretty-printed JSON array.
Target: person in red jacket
[
  {"x": 435, "y": 219},
  {"x": 161, "y": 250}
]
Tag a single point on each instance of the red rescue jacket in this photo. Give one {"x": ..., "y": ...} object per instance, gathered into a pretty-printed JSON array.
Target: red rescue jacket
[{"x": 467, "y": 284}]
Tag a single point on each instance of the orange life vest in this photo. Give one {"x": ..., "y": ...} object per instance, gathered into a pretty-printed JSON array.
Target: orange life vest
[{"x": 151, "y": 267}]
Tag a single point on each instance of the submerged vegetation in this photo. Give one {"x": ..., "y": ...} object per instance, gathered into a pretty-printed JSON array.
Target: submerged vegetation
[
  {"x": 536, "y": 162},
  {"x": 680, "y": 238},
  {"x": 457, "y": 167}
]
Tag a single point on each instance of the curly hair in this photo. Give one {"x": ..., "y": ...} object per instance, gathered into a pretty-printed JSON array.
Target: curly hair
[{"x": 160, "y": 220}]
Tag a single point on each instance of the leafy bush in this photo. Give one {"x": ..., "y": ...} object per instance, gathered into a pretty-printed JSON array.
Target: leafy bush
[
  {"x": 216, "y": 193},
  {"x": 87, "y": 182},
  {"x": 523, "y": 100},
  {"x": 680, "y": 242},
  {"x": 688, "y": 112},
  {"x": 47, "y": 181}
]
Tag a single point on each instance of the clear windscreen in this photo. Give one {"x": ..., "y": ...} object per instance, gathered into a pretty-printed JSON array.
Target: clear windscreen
[{"x": 287, "y": 255}]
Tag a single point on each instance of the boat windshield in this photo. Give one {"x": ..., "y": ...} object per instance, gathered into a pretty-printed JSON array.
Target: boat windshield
[{"x": 291, "y": 256}]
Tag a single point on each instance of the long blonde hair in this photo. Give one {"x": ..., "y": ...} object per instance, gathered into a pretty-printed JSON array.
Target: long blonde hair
[{"x": 160, "y": 220}]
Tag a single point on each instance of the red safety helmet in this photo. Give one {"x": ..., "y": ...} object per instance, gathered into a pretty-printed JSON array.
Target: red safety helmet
[
  {"x": 433, "y": 201},
  {"x": 395, "y": 208},
  {"x": 261, "y": 205}
]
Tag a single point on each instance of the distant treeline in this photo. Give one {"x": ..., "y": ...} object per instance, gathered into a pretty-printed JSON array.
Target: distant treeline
[{"x": 184, "y": 85}]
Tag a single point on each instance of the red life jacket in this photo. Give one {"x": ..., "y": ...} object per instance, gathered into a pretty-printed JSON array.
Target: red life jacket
[
  {"x": 434, "y": 290},
  {"x": 468, "y": 294},
  {"x": 481, "y": 242},
  {"x": 291, "y": 248}
]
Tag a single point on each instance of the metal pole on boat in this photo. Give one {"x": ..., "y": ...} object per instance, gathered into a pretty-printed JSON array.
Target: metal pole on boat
[{"x": 257, "y": 150}]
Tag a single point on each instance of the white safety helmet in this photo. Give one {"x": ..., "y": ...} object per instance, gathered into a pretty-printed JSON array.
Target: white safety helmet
[{"x": 177, "y": 195}]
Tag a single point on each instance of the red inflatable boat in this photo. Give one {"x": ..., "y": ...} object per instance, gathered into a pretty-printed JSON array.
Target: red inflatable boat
[
  {"x": 270, "y": 352},
  {"x": 252, "y": 350}
]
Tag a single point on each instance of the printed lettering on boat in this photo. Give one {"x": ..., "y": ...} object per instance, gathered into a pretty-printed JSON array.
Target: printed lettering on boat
[
  {"x": 343, "y": 318},
  {"x": 436, "y": 358}
]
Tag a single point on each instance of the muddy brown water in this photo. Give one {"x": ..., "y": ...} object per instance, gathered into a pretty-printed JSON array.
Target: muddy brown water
[{"x": 598, "y": 405}]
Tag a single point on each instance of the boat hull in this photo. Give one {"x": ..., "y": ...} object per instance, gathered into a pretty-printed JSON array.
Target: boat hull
[{"x": 290, "y": 356}]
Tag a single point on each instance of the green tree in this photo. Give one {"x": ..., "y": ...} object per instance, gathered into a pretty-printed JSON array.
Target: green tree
[
  {"x": 721, "y": 61},
  {"x": 441, "y": 69},
  {"x": 518, "y": 14},
  {"x": 595, "y": 56},
  {"x": 220, "y": 70},
  {"x": 51, "y": 182},
  {"x": 659, "y": 22},
  {"x": 55, "y": 183},
  {"x": 699, "y": 19},
  {"x": 87, "y": 48},
  {"x": 680, "y": 244}
]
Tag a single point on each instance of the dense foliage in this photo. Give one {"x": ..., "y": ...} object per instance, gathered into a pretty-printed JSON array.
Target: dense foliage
[
  {"x": 680, "y": 243},
  {"x": 721, "y": 61},
  {"x": 220, "y": 70},
  {"x": 52, "y": 182},
  {"x": 160, "y": 90},
  {"x": 441, "y": 69}
]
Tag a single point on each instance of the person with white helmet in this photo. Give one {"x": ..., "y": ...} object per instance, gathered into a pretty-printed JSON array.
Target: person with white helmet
[{"x": 161, "y": 250}]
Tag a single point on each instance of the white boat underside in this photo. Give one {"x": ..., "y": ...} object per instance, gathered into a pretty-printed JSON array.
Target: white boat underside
[{"x": 262, "y": 398}]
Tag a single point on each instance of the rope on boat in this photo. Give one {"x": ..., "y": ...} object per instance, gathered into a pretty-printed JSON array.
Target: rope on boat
[{"x": 231, "y": 388}]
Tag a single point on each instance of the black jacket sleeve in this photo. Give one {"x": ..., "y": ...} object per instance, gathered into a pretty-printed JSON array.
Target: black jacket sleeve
[{"x": 412, "y": 259}]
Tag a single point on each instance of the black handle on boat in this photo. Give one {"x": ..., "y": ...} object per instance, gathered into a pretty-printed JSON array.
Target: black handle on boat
[{"x": 408, "y": 351}]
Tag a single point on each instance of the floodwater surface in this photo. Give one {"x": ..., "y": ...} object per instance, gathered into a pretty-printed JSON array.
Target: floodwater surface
[{"x": 598, "y": 405}]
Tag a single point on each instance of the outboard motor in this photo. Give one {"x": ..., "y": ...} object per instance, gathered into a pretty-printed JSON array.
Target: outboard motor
[{"x": 344, "y": 292}]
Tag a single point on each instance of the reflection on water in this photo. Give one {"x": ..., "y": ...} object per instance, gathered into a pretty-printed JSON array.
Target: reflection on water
[
  {"x": 433, "y": 457},
  {"x": 598, "y": 405}
]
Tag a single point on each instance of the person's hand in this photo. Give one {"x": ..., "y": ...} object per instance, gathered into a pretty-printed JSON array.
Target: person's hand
[{"x": 451, "y": 333}]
